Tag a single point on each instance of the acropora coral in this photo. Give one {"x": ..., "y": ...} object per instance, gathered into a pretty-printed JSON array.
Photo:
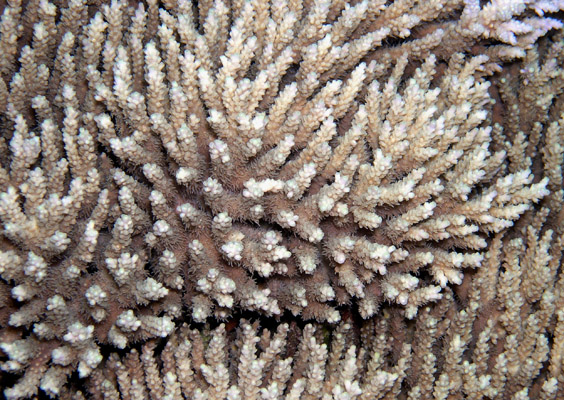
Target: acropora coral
[{"x": 389, "y": 173}]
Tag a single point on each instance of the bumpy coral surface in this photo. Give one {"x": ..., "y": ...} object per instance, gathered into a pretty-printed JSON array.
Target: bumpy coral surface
[{"x": 182, "y": 159}]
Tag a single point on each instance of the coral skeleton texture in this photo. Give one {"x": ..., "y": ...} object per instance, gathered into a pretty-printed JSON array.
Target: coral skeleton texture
[{"x": 388, "y": 172}]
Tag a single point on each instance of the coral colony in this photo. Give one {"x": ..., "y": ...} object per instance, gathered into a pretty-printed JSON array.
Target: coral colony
[{"x": 294, "y": 199}]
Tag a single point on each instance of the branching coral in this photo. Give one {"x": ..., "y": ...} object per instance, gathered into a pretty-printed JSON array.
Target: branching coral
[
  {"x": 162, "y": 161},
  {"x": 493, "y": 343}
]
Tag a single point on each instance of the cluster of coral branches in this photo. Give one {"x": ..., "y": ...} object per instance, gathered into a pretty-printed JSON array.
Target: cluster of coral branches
[{"x": 396, "y": 165}]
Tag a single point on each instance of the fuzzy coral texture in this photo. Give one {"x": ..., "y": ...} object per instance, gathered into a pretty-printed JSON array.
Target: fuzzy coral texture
[{"x": 388, "y": 173}]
